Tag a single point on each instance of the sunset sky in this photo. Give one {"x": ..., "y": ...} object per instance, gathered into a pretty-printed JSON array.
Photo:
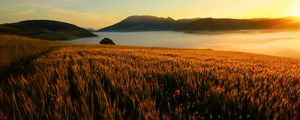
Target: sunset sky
[{"x": 100, "y": 13}]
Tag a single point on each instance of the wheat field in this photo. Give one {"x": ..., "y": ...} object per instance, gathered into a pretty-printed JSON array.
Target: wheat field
[{"x": 115, "y": 82}]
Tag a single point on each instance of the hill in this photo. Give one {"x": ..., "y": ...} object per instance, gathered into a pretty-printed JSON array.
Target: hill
[
  {"x": 118, "y": 82},
  {"x": 144, "y": 23},
  {"x": 242, "y": 24},
  {"x": 151, "y": 23},
  {"x": 45, "y": 29}
]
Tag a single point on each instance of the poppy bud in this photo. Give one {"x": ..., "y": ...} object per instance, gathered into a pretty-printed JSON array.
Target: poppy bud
[{"x": 177, "y": 92}]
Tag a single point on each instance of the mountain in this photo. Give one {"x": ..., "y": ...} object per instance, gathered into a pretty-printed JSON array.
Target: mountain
[
  {"x": 45, "y": 29},
  {"x": 144, "y": 23},
  {"x": 186, "y": 21},
  {"x": 90, "y": 29},
  {"x": 242, "y": 24},
  {"x": 152, "y": 23}
]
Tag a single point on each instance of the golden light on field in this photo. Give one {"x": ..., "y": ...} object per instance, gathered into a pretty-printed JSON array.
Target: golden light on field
[{"x": 101, "y": 82}]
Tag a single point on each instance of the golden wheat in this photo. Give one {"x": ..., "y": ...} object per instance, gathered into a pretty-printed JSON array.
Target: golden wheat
[{"x": 152, "y": 83}]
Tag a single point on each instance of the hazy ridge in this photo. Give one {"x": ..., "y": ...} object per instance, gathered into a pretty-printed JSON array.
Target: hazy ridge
[{"x": 152, "y": 23}]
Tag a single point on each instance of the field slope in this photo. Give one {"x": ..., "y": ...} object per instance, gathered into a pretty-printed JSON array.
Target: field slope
[
  {"x": 14, "y": 48},
  {"x": 115, "y": 82}
]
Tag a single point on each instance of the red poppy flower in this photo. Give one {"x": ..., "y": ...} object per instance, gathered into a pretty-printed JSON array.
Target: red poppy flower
[
  {"x": 150, "y": 84},
  {"x": 177, "y": 92}
]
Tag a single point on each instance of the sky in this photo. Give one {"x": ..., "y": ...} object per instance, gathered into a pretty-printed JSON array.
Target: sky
[{"x": 100, "y": 13}]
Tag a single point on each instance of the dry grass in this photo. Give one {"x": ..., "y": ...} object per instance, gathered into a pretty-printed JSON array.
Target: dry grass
[
  {"x": 107, "y": 82},
  {"x": 14, "y": 48}
]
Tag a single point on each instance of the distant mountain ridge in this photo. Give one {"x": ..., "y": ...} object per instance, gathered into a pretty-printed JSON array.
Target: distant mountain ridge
[
  {"x": 144, "y": 23},
  {"x": 152, "y": 23},
  {"x": 45, "y": 29},
  {"x": 242, "y": 24}
]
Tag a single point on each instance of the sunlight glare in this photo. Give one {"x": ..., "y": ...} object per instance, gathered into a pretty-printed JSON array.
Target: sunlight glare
[{"x": 294, "y": 11}]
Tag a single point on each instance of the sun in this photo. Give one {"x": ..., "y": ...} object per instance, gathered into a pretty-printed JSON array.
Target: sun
[{"x": 294, "y": 11}]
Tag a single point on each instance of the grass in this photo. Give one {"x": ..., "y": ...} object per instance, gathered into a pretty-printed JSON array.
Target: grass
[
  {"x": 117, "y": 82},
  {"x": 14, "y": 48}
]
